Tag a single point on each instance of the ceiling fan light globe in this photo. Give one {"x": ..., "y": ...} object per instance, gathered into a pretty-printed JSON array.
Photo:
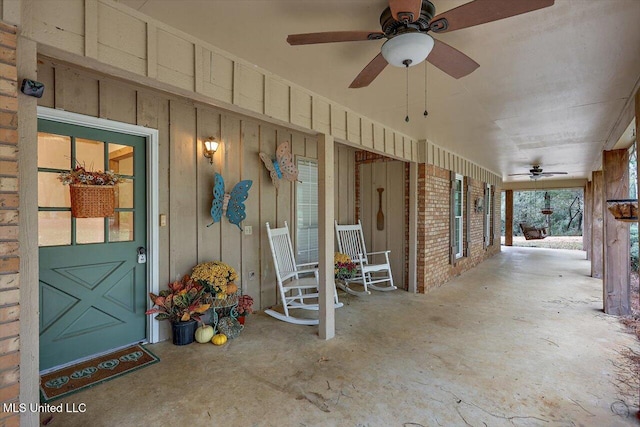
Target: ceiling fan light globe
[{"x": 414, "y": 47}]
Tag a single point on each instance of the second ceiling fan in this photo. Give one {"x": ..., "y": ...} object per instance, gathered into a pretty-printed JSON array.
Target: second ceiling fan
[{"x": 405, "y": 24}]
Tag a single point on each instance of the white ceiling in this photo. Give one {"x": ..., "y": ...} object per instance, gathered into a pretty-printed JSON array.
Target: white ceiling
[{"x": 552, "y": 87}]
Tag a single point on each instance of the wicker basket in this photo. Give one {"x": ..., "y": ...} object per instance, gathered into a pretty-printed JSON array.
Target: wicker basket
[{"x": 92, "y": 201}]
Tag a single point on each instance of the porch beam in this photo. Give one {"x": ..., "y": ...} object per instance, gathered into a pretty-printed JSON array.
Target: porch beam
[
  {"x": 327, "y": 326},
  {"x": 508, "y": 221},
  {"x": 597, "y": 236},
  {"x": 616, "y": 235}
]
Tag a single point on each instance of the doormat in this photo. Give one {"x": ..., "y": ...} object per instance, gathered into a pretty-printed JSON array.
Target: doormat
[{"x": 80, "y": 376}]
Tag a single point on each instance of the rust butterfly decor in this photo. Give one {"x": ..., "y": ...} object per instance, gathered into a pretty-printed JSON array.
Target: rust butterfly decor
[{"x": 282, "y": 166}]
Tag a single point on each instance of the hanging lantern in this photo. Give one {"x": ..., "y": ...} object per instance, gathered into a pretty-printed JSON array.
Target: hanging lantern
[{"x": 547, "y": 210}]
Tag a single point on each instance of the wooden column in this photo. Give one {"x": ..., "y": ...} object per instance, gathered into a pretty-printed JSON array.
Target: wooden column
[
  {"x": 587, "y": 219},
  {"x": 597, "y": 237},
  {"x": 327, "y": 327},
  {"x": 413, "y": 228},
  {"x": 508, "y": 222},
  {"x": 27, "y": 66},
  {"x": 615, "y": 165},
  {"x": 638, "y": 175}
]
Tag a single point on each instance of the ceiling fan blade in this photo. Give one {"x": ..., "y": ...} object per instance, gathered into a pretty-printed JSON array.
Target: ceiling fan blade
[
  {"x": 333, "y": 36},
  {"x": 483, "y": 11},
  {"x": 405, "y": 10},
  {"x": 451, "y": 60},
  {"x": 519, "y": 174},
  {"x": 370, "y": 72},
  {"x": 553, "y": 173}
]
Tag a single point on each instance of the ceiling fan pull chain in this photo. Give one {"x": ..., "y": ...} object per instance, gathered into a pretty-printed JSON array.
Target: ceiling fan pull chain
[
  {"x": 406, "y": 63},
  {"x": 426, "y": 113}
]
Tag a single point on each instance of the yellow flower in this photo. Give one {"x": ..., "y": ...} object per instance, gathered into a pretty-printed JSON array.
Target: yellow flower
[{"x": 342, "y": 258}]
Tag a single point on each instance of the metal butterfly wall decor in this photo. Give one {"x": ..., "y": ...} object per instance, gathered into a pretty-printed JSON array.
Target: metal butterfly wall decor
[
  {"x": 231, "y": 204},
  {"x": 282, "y": 167}
]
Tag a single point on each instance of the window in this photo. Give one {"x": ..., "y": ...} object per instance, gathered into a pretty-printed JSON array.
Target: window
[
  {"x": 56, "y": 149},
  {"x": 488, "y": 216},
  {"x": 307, "y": 211},
  {"x": 458, "y": 217}
]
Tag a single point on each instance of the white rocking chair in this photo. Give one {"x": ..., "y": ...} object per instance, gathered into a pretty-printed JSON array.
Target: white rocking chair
[
  {"x": 351, "y": 242},
  {"x": 294, "y": 290}
]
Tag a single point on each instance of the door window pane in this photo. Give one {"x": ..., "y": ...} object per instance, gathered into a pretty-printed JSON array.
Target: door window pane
[
  {"x": 54, "y": 151},
  {"x": 121, "y": 159},
  {"x": 54, "y": 228},
  {"x": 121, "y": 227},
  {"x": 90, "y": 154},
  {"x": 124, "y": 194},
  {"x": 89, "y": 230},
  {"x": 51, "y": 192}
]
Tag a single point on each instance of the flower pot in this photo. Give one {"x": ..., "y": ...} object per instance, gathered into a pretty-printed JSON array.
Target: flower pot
[
  {"x": 183, "y": 332},
  {"x": 241, "y": 319}
]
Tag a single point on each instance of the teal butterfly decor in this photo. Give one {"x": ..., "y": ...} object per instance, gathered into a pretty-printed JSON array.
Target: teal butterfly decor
[{"x": 231, "y": 204}]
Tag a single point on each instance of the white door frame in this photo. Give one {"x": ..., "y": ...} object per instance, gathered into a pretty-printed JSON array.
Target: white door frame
[{"x": 151, "y": 135}]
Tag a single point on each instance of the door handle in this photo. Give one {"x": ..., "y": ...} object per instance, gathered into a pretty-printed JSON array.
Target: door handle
[{"x": 142, "y": 255}]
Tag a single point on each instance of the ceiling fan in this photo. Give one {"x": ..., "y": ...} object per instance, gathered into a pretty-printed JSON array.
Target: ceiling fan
[
  {"x": 406, "y": 24},
  {"x": 536, "y": 172}
]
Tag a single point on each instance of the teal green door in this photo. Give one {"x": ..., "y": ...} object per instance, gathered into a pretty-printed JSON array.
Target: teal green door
[{"x": 92, "y": 287}]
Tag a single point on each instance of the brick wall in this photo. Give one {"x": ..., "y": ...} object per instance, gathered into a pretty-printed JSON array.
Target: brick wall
[
  {"x": 9, "y": 260},
  {"x": 434, "y": 267}
]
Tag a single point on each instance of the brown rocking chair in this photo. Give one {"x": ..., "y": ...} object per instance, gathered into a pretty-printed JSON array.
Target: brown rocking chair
[{"x": 533, "y": 233}]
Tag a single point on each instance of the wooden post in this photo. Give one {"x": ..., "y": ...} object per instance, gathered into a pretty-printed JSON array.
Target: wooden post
[
  {"x": 586, "y": 219},
  {"x": 327, "y": 326},
  {"x": 597, "y": 237},
  {"x": 508, "y": 221},
  {"x": 413, "y": 228},
  {"x": 638, "y": 175},
  {"x": 615, "y": 165}
]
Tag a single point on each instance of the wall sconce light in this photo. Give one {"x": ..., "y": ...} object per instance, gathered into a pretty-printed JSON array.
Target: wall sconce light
[{"x": 210, "y": 148}]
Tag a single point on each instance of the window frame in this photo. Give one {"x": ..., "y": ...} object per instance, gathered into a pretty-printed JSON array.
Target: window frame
[
  {"x": 488, "y": 215},
  {"x": 308, "y": 250},
  {"x": 459, "y": 219}
]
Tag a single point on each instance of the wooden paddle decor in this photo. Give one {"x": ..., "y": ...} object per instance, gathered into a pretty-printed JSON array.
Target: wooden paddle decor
[{"x": 380, "y": 217}]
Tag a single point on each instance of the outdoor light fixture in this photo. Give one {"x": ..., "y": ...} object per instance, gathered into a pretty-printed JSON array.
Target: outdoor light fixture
[
  {"x": 408, "y": 49},
  {"x": 210, "y": 148}
]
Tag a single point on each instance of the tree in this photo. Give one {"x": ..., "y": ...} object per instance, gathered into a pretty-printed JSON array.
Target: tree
[{"x": 567, "y": 205}]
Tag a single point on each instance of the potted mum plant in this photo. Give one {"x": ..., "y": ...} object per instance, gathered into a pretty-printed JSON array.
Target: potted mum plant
[
  {"x": 218, "y": 280},
  {"x": 244, "y": 308},
  {"x": 181, "y": 304},
  {"x": 344, "y": 268}
]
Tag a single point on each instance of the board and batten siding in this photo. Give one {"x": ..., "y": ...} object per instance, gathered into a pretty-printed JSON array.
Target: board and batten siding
[
  {"x": 391, "y": 177},
  {"x": 119, "y": 41},
  {"x": 186, "y": 176}
]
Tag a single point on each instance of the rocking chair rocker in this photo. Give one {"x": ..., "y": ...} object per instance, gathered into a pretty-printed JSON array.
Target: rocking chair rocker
[
  {"x": 351, "y": 242},
  {"x": 294, "y": 290},
  {"x": 533, "y": 233}
]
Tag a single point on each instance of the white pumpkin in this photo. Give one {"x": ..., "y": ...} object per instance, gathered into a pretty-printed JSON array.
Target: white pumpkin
[{"x": 204, "y": 334}]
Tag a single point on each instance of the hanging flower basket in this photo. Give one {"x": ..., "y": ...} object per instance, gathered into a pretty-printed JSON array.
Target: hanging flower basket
[
  {"x": 624, "y": 209},
  {"x": 92, "y": 192},
  {"x": 546, "y": 211},
  {"x": 92, "y": 201}
]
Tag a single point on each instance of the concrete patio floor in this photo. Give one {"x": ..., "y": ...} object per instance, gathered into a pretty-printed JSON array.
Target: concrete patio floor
[{"x": 519, "y": 341}]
